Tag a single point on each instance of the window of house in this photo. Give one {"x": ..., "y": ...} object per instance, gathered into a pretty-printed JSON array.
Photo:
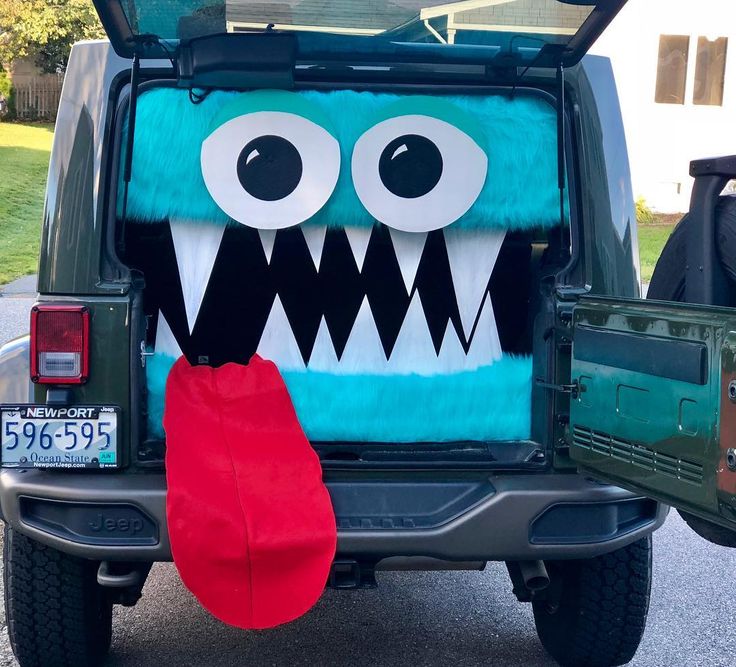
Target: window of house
[
  {"x": 710, "y": 71},
  {"x": 672, "y": 69}
]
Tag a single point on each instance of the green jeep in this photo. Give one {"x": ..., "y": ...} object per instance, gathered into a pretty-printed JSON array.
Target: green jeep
[{"x": 422, "y": 215}]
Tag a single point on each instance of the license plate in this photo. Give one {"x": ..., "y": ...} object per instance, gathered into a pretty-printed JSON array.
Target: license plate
[{"x": 45, "y": 436}]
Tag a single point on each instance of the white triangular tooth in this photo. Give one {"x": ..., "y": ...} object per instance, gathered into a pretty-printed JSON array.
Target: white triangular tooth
[
  {"x": 364, "y": 351},
  {"x": 472, "y": 255},
  {"x": 485, "y": 348},
  {"x": 323, "y": 357},
  {"x": 314, "y": 235},
  {"x": 359, "y": 238},
  {"x": 414, "y": 350},
  {"x": 268, "y": 238},
  {"x": 408, "y": 247},
  {"x": 451, "y": 358},
  {"x": 277, "y": 340},
  {"x": 196, "y": 245},
  {"x": 165, "y": 342}
]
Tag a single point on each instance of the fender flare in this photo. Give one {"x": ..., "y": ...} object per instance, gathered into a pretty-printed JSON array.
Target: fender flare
[{"x": 15, "y": 377}]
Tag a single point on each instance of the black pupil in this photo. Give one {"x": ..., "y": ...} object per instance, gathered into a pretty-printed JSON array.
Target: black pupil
[
  {"x": 269, "y": 168},
  {"x": 410, "y": 166}
]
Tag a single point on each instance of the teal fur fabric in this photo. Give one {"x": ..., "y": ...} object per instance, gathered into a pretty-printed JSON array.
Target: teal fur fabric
[
  {"x": 492, "y": 403},
  {"x": 518, "y": 136},
  {"x": 157, "y": 372},
  {"x": 520, "y": 192}
]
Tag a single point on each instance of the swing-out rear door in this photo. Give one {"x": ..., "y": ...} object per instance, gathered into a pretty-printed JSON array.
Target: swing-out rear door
[{"x": 655, "y": 407}]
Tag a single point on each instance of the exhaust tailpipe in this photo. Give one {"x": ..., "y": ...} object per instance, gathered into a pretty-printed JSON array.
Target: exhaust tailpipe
[{"x": 534, "y": 574}]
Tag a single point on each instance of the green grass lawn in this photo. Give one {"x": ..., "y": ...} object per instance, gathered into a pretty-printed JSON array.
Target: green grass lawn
[
  {"x": 651, "y": 241},
  {"x": 24, "y": 160}
]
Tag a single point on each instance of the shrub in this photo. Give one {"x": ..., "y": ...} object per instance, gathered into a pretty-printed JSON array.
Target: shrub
[
  {"x": 5, "y": 84},
  {"x": 644, "y": 214},
  {"x": 7, "y": 105}
]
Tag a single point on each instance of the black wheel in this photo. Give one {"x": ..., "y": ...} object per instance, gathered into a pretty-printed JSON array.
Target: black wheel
[
  {"x": 668, "y": 284},
  {"x": 57, "y": 614},
  {"x": 668, "y": 280},
  {"x": 720, "y": 535},
  {"x": 598, "y": 614}
]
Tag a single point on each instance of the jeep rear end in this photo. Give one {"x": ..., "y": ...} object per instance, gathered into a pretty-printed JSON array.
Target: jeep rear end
[{"x": 448, "y": 502}]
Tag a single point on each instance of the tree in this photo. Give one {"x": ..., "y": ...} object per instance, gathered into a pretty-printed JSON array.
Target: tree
[{"x": 45, "y": 30}]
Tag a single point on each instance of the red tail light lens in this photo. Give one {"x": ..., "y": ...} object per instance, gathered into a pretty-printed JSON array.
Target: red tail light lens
[{"x": 59, "y": 344}]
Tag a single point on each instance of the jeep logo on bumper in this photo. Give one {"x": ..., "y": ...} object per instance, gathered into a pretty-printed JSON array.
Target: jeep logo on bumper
[
  {"x": 114, "y": 525},
  {"x": 96, "y": 524}
]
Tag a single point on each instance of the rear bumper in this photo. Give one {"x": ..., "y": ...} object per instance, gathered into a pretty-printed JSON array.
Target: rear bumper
[{"x": 495, "y": 517}]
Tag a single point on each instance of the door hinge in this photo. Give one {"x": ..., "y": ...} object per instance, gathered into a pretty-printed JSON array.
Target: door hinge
[
  {"x": 573, "y": 389},
  {"x": 145, "y": 353}
]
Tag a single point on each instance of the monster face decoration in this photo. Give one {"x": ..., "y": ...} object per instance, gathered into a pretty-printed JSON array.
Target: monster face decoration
[
  {"x": 352, "y": 239},
  {"x": 342, "y": 248}
]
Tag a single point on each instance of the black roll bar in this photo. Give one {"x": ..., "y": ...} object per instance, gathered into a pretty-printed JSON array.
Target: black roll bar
[{"x": 705, "y": 281}]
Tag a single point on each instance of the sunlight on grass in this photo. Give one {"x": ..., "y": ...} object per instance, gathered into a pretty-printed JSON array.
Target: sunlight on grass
[
  {"x": 651, "y": 241},
  {"x": 24, "y": 161}
]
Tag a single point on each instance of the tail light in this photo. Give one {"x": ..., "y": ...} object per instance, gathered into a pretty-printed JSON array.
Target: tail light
[{"x": 59, "y": 344}]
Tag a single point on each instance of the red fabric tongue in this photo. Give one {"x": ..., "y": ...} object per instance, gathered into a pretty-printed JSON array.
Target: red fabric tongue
[{"x": 251, "y": 524}]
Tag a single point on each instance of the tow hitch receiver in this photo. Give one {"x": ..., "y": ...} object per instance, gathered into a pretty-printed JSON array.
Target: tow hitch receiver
[
  {"x": 123, "y": 581},
  {"x": 350, "y": 574}
]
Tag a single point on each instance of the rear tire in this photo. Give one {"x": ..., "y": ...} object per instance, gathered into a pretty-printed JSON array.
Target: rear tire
[
  {"x": 723, "y": 537},
  {"x": 57, "y": 614},
  {"x": 668, "y": 280},
  {"x": 600, "y": 612}
]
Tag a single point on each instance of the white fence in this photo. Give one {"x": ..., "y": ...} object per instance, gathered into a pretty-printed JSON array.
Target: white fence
[{"x": 38, "y": 99}]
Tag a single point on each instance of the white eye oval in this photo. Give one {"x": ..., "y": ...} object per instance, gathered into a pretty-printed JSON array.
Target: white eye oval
[
  {"x": 417, "y": 173},
  {"x": 270, "y": 169}
]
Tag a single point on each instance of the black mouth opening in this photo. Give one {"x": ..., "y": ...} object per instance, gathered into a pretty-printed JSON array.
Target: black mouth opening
[{"x": 243, "y": 285}]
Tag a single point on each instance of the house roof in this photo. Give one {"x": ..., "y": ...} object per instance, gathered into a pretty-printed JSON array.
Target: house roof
[
  {"x": 368, "y": 14},
  {"x": 528, "y": 13},
  {"x": 383, "y": 14}
]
